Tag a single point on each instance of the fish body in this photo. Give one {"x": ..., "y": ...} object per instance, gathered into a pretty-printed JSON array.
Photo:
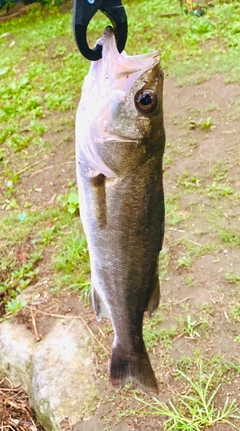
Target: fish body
[{"x": 120, "y": 142}]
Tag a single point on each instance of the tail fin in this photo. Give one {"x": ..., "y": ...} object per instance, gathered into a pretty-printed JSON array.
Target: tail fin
[{"x": 135, "y": 367}]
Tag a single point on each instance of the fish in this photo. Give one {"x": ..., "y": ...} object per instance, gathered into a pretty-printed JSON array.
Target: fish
[{"x": 120, "y": 139}]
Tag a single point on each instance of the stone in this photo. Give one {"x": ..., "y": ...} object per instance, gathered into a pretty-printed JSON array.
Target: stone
[{"x": 55, "y": 372}]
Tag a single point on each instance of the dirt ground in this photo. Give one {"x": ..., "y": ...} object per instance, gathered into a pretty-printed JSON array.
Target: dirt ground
[{"x": 195, "y": 150}]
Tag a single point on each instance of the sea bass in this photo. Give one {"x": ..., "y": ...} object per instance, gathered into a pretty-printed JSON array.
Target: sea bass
[{"x": 120, "y": 142}]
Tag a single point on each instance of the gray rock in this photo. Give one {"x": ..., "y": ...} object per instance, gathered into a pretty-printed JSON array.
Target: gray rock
[{"x": 56, "y": 372}]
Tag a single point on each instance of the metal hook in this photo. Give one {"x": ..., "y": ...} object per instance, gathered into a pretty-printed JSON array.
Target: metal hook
[{"x": 84, "y": 10}]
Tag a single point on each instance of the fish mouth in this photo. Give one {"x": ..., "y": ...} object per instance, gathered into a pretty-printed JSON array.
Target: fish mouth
[
  {"x": 109, "y": 31},
  {"x": 119, "y": 71},
  {"x": 119, "y": 138},
  {"x": 108, "y": 41},
  {"x": 130, "y": 65}
]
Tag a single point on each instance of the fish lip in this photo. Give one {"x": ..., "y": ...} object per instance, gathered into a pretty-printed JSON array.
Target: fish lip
[
  {"x": 109, "y": 30},
  {"x": 120, "y": 138}
]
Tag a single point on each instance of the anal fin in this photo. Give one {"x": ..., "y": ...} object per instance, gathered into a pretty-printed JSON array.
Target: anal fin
[{"x": 155, "y": 298}]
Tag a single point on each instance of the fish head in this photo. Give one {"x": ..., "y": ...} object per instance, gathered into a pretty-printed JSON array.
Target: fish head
[{"x": 120, "y": 116}]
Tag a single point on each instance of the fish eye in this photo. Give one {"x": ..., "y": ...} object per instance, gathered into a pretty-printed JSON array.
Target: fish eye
[{"x": 146, "y": 101}]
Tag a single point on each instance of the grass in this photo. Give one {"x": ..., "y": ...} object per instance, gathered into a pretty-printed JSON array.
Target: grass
[
  {"x": 33, "y": 235},
  {"x": 233, "y": 277},
  {"x": 72, "y": 261},
  {"x": 195, "y": 409}
]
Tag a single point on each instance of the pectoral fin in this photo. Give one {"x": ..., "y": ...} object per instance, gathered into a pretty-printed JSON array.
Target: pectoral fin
[
  {"x": 98, "y": 305},
  {"x": 99, "y": 199}
]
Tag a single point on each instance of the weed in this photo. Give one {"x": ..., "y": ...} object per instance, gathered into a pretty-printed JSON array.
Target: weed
[
  {"x": 70, "y": 201},
  {"x": 163, "y": 264},
  {"x": 48, "y": 235},
  {"x": 58, "y": 101},
  {"x": 37, "y": 127},
  {"x": 175, "y": 216},
  {"x": 189, "y": 280},
  {"x": 189, "y": 326},
  {"x": 195, "y": 409},
  {"x": 72, "y": 262},
  {"x": 185, "y": 260},
  {"x": 235, "y": 312},
  {"x": 167, "y": 160},
  {"x": 205, "y": 124},
  {"x": 230, "y": 236},
  {"x": 15, "y": 278},
  {"x": 232, "y": 277},
  {"x": 207, "y": 308},
  {"x": 188, "y": 181},
  {"x": 192, "y": 142},
  {"x": 217, "y": 190},
  {"x": 201, "y": 124},
  {"x": 152, "y": 330},
  {"x": 167, "y": 335},
  {"x": 14, "y": 306},
  {"x": 219, "y": 171},
  {"x": 235, "y": 366}
]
